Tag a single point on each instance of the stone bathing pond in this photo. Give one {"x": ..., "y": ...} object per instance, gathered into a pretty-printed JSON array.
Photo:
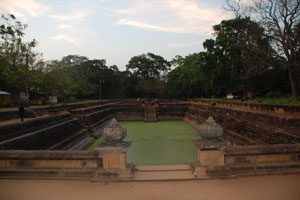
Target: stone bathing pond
[
  {"x": 159, "y": 143},
  {"x": 58, "y": 141}
]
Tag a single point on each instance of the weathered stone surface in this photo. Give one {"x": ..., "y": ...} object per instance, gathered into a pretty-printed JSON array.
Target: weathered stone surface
[
  {"x": 20, "y": 128},
  {"x": 210, "y": 129},
  {"x": 61, "y": 135},
  {"x": 133, "y": 110},
  {"x": 114, "y": 160},
  {"x": 114, "y": 132},
  {"x": 244, "y": 127},
  {"x": 211, "y": 158},
  {"x": 48, "y": 160},
  {"x": 211, "y": 144},
  {"x": 257, "y": 107},
  {"x": 113, "y": 152}
]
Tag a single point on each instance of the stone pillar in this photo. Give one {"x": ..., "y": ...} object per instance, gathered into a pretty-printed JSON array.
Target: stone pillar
[
  {"x": 112, "y": 153},
  {"x": 211, "y": 152},
  {"x": 210, "y": 147}
]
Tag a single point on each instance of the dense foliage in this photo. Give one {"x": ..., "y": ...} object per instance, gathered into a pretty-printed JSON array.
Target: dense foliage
[{"x": 239, "y": 60}]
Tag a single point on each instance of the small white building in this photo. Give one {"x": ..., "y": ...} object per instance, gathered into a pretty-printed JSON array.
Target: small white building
[{"x": 230, "y": 96}]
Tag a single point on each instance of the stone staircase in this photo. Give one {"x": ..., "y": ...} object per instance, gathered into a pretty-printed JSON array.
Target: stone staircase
[
  {"x": 150, "y": 113},
  {"x": 56, "y": 132},
  {"x": 163, "y": 173}
]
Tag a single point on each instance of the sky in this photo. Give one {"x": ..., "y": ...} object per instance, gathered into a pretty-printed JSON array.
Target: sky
[{"x": 117, "y": 30}]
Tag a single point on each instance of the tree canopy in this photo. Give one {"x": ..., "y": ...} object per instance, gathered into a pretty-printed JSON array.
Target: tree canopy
[{"x": 280, "y": 19}]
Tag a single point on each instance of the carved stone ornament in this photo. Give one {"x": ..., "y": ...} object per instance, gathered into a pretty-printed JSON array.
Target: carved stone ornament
[
  {"x": 210, "y": 129},
  {"x": 114, "y": 132}
]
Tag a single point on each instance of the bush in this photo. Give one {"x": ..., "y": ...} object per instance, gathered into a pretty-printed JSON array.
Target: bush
[{"x": 273, "y": 94}]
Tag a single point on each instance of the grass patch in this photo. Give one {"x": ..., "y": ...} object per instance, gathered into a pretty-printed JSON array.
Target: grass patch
[{"x": 276, "y": 101}]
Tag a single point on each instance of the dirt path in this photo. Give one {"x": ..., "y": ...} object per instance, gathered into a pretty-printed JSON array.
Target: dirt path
[{"x": 250, "y": 188}]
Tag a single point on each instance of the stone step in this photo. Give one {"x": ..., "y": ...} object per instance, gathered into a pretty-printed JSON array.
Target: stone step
[
  {"x": 163, "y": 172},
  {"x": 163, "y": 175},
  {"x": 150, "y": 120},
  {"x": 162, "y": 167}
]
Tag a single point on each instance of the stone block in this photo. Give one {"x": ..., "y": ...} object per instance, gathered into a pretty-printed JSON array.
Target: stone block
[
  {"x": 211, "y": 158},
  {"x": 114, "y": 160}
]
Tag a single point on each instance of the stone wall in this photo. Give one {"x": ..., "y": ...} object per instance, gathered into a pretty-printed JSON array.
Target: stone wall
[
  {"x": 132, "y": 110},
  {"x": 171, "y": 110},
  {"x": 244, "y": 127},
  {"x": 238, "y": 161},
  {"x": 165, "y": 110},
  {"x": 258, "y": 160},
  {"x": 49, "y": 164},
  {"x": 256, "y": 107},
  {"x": 280, "y": 153}
]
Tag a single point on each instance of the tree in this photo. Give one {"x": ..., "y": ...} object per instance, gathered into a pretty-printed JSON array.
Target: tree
[
  {"x": 280, "y": 18},
  {"x": 238, "y": 58},
  {"x": 148, "y": 65},
  {"x": 14, "y": 52},
  {"x": 242, "y": 50},
  {"x": 77, "y": 75},
  {"x": 58, "y": 80},
  {"x": 149, "y": 69},
  {"x": 185, "y": 81},
  {"x": 216, "y": 70}
]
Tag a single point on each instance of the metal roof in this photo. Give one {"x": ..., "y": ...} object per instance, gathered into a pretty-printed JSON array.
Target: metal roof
[{"x": 3, "y": 92}]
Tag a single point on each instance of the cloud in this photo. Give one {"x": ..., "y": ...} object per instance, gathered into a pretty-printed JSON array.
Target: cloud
[
  {"x": 66, "y": 38},
  {"x": 70, "y": 23},
  {"x": 65, "y": 26},
  {"x": 154, "y": 27},
  {"x": 23, "y": 8},
  {"x": 180, "y": 16},
  {"x": 75, "y": 15},
  {"x": 189, "y": 44}
]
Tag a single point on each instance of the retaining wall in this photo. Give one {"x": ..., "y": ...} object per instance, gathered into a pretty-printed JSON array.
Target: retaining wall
[
  {"x": 244, "y": 127},
  {"x": 257, "y": 107},
  {"x": 49, "y": 164}
]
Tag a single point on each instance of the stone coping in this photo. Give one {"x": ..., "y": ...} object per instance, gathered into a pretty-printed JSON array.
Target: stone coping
[
  {"x": 44, "y": 155},
  {"x": 94, "y": 107},
  {"x": 262, "y": 149},
  {"x": 113, "y": 146},
  {"x": 258, "y": 107},
  {"x": 210, "y": 143}
]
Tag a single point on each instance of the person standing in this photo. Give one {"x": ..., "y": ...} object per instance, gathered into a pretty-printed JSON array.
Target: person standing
[{"x": 22, "y": 111}]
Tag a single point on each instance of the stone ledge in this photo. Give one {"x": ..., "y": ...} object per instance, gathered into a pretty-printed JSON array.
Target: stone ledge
[
  {"x": 210, "y": 144},
  {"x": 53, "y": 154}
]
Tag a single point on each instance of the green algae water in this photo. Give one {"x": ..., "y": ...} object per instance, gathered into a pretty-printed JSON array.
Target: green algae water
[{"x": 159, "y": 143}]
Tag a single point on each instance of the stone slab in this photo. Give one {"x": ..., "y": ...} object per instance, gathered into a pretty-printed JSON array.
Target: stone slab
[
  {"x": 211, "y": 158},
  {"x": 114, "y": 160},
  {"x": 163, "y": 175},
  {"x": 162, "y": 167},
  {"x": 216, "y": 143}
]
